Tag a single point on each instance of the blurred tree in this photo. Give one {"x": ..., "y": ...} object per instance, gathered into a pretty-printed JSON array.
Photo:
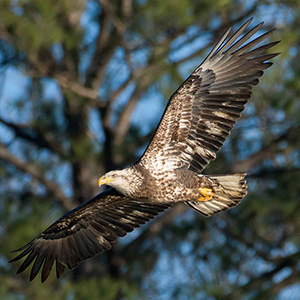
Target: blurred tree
[{"x": 81, "y": 89}]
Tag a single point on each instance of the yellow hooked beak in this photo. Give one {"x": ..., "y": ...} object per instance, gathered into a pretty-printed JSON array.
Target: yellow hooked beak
[{"x": 106, "y": 180}]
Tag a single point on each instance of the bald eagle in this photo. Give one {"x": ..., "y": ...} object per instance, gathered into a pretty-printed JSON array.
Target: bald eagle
[{"x": 197, "y": 120}]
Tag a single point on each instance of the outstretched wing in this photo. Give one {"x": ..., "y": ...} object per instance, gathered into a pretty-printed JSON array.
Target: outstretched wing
[
  {"x": 201, "y": 113},
  {"x": 85, "y": 231}
]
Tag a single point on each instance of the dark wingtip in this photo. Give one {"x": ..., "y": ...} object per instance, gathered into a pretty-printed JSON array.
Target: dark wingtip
[
  {"x": 60, "y": 268},
  {"x": 44, "y": 277},
  {"x": 36, "y": 266},
  {"x": 14, "y": 259},
  {"x": 21, "y": 255},
  {"x": 250, "y": 20},
  {"x": 270, "y": 31},
  {"x": 27, "y": 262},
  {"x": 47, "y": 267},
  {"x": 272, "y": 44},
  {"x": 247, "y": 23},
  {"x": 32, "y": 276},
  {"x": 21, "y": 248}
]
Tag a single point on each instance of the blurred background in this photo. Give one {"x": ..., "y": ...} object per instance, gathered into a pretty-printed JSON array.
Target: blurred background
[{"x": 83, "y": 85}]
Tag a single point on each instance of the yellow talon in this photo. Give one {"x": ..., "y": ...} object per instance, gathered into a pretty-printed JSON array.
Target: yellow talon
[{"x": 207, "y": 194}]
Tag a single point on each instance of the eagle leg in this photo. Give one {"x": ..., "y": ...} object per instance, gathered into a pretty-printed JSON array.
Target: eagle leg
[{"x": 206, "y": 193}]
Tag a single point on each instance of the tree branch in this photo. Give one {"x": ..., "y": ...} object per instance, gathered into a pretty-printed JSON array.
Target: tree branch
[
  {"x": 143, "y": 79},
  {"x": 35, "y": 172},
  {"x": 107, "y": 41},
  {"x": 90, "y": 94},
  {"x": 114, "y": 95},
  {"x": 34, "y": 135},
  {"x": 255, "y": 283},
  {"x": 266, "y": 152},
  {"x": 123, "y": 123}
]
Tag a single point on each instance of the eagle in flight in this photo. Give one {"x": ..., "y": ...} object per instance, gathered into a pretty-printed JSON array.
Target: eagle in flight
[{"x": 197, "y": 120}]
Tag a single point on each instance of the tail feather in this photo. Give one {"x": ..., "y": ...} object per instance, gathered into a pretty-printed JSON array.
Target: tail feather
[{"x": 229, "y": 190}]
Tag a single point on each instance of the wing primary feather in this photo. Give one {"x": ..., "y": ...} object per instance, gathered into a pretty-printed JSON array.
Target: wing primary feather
[
  {"x": 47, "y": 267},
  {"x": 233, "y": 38},
  {"x": 21, "y": 255},
  {"x": 260, "y": 49},
  {"x": 217, "y": 47},
  {"x": 36, "y": 266},
  {"x": 25, "y": 246},
  {"x": 60, "y": 268},
  {"x": 253, "y": 43},
  {"x": 263, "y": 58},
  {"x": 31, "y": 256},
  {"x": 246, "y": 37}
]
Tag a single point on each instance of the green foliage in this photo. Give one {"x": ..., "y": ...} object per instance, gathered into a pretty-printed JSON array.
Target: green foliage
[
  {"x": 106, "y": 289},
  {"x": 39, "y": 24}
]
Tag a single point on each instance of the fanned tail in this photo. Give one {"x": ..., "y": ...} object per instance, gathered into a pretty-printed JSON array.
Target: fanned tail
[{"x": 229, "y": 190}]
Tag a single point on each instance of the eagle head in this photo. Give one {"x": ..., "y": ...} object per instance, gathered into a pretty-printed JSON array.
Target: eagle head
[{"x": 125, "y": 181}]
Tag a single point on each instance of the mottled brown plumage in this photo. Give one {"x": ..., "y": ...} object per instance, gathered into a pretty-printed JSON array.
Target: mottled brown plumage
[{"x": 197, "y": 120}]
